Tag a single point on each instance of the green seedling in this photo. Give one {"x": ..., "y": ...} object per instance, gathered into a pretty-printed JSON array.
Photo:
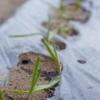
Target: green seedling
[
  {"x": 53, "y": 55},
  {"x": 47, "y": 38},
  {"x": 1, "y": 95},
  {"x": 78, "y": 3},
  {"x": 62, "y": 16},
  {"x": 59, "y": 10},
  {"x": 64, "y": 29},
  {"x": 34, "y": 79}
]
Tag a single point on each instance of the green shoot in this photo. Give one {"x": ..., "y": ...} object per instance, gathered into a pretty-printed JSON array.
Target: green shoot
[
  {"x": 64, "y": 29},
  {"x": 47, "y": 38},
  {"x": 59, "y": 10},
  {"x": 78, "y": 3},
  {"x": 62, "y": 16},
  {"x": 48, "y": 25},
  {"x": 51, "y": 35},
  {"x": 53, "y": 55},
  {"x": 1, "y": 95},
  {"x": 34, "y": 79}
]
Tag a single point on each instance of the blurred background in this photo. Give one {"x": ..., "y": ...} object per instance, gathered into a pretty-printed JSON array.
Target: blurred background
[{"x": 8, "y": 7}]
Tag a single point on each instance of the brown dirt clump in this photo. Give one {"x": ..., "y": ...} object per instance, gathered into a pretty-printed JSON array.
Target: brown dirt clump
[{"x": 20, "y": 78}]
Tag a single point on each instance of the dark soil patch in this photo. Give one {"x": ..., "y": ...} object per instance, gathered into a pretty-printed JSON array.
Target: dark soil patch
[
  {"x": 82, "y": 61},
  {"x": 20, "y": 78}
]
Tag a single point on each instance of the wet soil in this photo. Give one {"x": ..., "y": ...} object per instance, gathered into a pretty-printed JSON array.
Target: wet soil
[
  {"x": 20, "y": 78},
  {"x": 59, "y": 45},
  {"x": 8, "y": 7}
]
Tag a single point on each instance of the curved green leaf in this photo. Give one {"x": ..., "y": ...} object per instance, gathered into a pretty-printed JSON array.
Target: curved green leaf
[
  {"x": 48, "y": 26},
  {"x": 68, "y": 27},
  {"x": 62, "y": 31},
  {"x": 52, "y": 34},
  {"x": 66, "y": 16},
  {"x": 16, "y": 91},
  {"x": 1, "y": 95},
  {"x": 78, "y": 3},
  {"x": 54, "y": 48},
  {"x": 53, "y": 56},
  {"x": 41, "y": 87},
  {"x": 34, "y": 74},
  {"x": 25, "y": 35},
  {"x": 37, "y": 75}
]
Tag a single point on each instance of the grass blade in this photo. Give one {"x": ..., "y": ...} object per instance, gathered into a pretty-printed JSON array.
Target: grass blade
[
  {"x": 48, "y": 25},
  {"x": 1, "y": 95},
  {"x": 66, "y": 16},
  {"x": 25, "y": 35},
  {"x": 34, "y": 74},
  {"x": 62, "y": 31},
  {"x": 78, "y": 3},
  {"x": 53, "y": 56},
  {"x": 16, "y": 91},
  {"x": 68, "y": 27},
  {"x": 52, "y": 34},
  {"x": 50, "y": 51},
  {"x": 37, "y": 75},
  {"x": 41, "y": 87},
  {"x": 54, "y": 48}
]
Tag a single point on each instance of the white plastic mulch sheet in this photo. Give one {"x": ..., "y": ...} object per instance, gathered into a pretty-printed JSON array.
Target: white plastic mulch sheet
[{"x": 79, "y": 81}]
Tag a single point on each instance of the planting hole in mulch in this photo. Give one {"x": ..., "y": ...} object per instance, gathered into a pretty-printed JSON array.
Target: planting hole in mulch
[
  {"x": 79, "y": 14},
  {"x": 20, "y": 78},
  {"x": 82, "y": 61},
  {"x": 59, "y": 45},
  {"x": 55, "y": 25}
]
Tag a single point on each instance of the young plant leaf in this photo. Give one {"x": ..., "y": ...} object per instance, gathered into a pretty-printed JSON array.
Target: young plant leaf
[
  {"x": 25, "y": 35},
  {"x": 48, "y": 25},
  {"x": 34, "y": 74},
  {"x": 16, "y": 91},
  {"x": 68, "y": 27},
  {"x": 78, "y": 3},
  {"x": 66, "y": 16},
  {"x": 54, "y": 48},
  {"x": 51, "y": 35},
  {"x": 1, "y": 95},
  {"x": 53, "y": 56},
  {"x": 41, "y": 87},
  {"x": 62, "y": 31},
  {"x": 37, "y": 77}
]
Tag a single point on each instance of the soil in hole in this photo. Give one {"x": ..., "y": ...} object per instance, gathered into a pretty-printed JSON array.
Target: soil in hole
[
  {"x": 79, "y": 14},
  {"x": 20, "y": 78},
  {"x": 59, "y": 45},
  {"x": 55, "y": 25}
]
